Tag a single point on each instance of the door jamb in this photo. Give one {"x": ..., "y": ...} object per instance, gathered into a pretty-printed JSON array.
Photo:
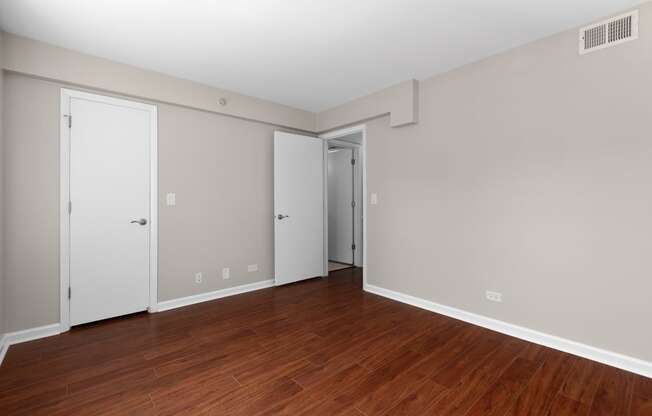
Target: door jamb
[
  {"x": 64, "y": 198},
  {"x": 362, "y": 155}
]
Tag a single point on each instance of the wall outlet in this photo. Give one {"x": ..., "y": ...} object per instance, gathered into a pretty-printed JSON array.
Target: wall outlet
[
  {"x": 198, "y": 278},
  {"x": 494, "y": 296},
  {"x": 373, "y": 199},
  {"x": 171, "y": 199},
  {"x": 226, "y": 273},
  {"x": 252, "y": 268}
]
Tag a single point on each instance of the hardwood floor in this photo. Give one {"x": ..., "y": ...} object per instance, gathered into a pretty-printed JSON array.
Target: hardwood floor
[{"x": 321, "y": 347}]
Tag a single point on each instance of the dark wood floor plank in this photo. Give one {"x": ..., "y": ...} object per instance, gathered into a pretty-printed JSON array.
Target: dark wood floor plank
[
  {"x": 318, "y": 347},
  {"x": 419, "y": 401},
  {"x": 540, "y": 392},
  {"x": 563, "y": 406},
  {"x": 254, "y": 399},
  {"x": 640, "y": 406},
  {"x": 614, "y": 393},
  {"x": 503, "y": 395},
  {"x": 321, "y": 393},
  {"x": 376, "y": 379},
  {"x": 583, "y": 381},
  {"x": 194, "y": 395},
  {"x": 460, "y": 398},
  {"x": 331, "y": 408},
  {"x": 383, "y": 392},
  {"x": 468, "y": 359},
  {"x": 643, "y": 387}
]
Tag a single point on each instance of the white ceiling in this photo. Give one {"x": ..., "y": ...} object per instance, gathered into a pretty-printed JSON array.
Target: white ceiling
[{"x": 309, "y": 54}]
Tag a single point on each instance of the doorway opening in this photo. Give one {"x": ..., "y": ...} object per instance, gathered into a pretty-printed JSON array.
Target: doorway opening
[
  {"x": 344, "y": 207},
  {"x": 301, "y": 204}
]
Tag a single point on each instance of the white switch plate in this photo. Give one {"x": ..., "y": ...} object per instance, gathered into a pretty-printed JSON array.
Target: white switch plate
[
  {"x": 374, "y": 199},
  {"x": 494, "y": 296},
  {"x": 198, "y": 278},
  {"x": 252, "y": 268},
  {"x": 171, "y": 199},
  {"x": 226, "y": 273}
]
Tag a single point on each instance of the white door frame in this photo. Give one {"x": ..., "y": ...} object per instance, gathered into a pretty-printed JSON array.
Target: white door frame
[
  {"x": 64, "y": 198},
  {"x": 362, "y": 155}
]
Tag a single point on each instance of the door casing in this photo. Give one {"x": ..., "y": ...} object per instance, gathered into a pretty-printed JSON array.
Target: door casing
[
  {"x": 362, "y": 158},
  {"x": 64, "y": 197}
]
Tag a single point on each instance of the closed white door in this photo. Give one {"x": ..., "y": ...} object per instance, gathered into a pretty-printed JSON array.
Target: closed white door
[
  {"x": 298, "y": 207},
  {"x": 340, "y": 205},
  {"x": 110, "y": 209}
]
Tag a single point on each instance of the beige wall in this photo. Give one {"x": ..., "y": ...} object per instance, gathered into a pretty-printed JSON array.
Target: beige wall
[
  {"x": 2, "y": 280},
  {"x": 528, "y": 174},
  {"x": 221, "y": 171},
  {"x": 31, "y": 202},
  {"x": 400, "y": 101},
  {"x": 42, "y": 60},
  {"x": 219, "y": 167}
]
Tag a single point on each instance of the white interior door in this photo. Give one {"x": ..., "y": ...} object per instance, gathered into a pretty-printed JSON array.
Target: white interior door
[
  {"x": 110, "y": 216},
  {"x": 298, "y": 207},
  {"x": 340, "y": 205}
]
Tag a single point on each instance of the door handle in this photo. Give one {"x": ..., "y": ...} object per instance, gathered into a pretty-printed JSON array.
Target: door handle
[
  {"x": 281, "y": 216},
  {"x": 141, "y": 221}
]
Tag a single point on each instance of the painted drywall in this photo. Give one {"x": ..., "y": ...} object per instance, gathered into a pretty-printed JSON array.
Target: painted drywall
[
  {"x": 400, "y": 101},
  {"x": 221, "y": 171},
  {"x": 218, "y": 166},
  {"x": 2, "y": 280},
  {"x": 42, "y": 60},
  {"x": 31, "y": 204},
  {"x": 528, "y": 174}
]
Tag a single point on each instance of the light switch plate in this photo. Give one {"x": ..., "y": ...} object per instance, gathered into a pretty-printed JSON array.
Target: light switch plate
[
  {"x": 171, "y": 199},
  {"x": 374, "y": 199},
  {"x": 226, "y": 273}
]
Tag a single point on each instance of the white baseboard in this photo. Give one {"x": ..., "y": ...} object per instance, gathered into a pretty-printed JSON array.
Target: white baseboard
[
  {"x": 204, "y": 297},
  {"x": 25, "y": 335},
  {"x": 613, "y": 359},
  {"x": 3, "y": 347}
]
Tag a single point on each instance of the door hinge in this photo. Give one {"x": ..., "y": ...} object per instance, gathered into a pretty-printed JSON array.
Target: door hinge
[
  {"x": 353, "y": 161},
  {"x": 69, "y": 207},
  {"x": 352, "y": 246},
  {"x": 69, "y": 117},
  {"x": 69, "y": 292}
]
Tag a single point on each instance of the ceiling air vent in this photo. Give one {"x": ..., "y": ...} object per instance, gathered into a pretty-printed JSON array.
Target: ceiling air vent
[{"x": 611, "y": 32}]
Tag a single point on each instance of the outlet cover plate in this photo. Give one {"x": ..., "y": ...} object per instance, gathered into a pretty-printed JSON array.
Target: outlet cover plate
[{"x": 494, "y": 296}]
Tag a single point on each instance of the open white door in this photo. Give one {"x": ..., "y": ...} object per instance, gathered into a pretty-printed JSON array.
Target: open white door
[
  {"x": 340, "y": 205},
  {"x": 298, "y": 207}
]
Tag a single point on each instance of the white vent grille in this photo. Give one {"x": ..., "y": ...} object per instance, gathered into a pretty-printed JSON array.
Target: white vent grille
[
  {"x": 594, "y": 37},
  {"x": 611, "y": 32}
]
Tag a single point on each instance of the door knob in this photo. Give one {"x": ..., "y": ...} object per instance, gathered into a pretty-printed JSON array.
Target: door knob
[
  {"x": 281, "y": 216},
  {"x": 141, "y": 221}
]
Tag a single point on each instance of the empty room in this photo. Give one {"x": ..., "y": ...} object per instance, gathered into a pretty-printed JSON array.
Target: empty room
[{"x": 325, "y": 207}]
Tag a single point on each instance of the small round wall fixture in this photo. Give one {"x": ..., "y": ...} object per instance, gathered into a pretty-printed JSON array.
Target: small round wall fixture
[{"x": 222, "y": 101}]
